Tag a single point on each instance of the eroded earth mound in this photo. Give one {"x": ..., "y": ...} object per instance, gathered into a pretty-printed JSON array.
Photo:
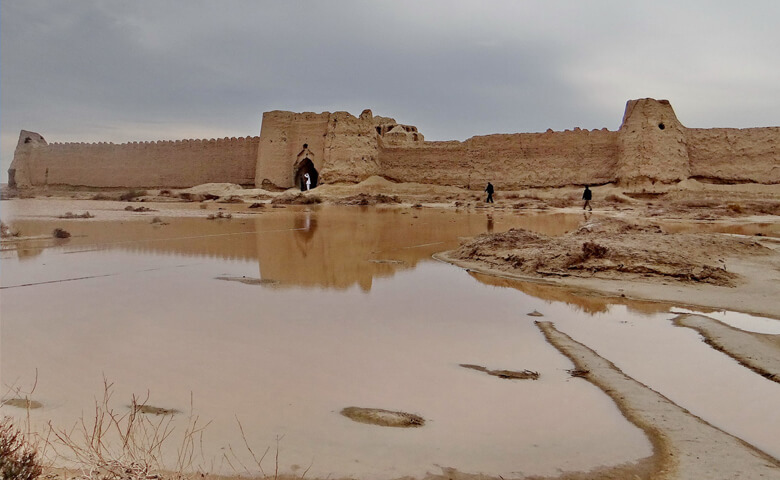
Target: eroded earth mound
[{"x": 611, "y": 248}]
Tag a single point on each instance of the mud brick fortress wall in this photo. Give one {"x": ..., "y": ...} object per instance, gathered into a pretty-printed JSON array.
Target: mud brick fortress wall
[
  {"x": 180, "y": 163},
  {"x": 650, "y": 146}
]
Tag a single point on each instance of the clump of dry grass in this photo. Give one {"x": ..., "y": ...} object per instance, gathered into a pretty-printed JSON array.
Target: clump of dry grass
[
  {"x": 131, "y": 208},
  {"x": 18, "y": 457},
  {"x": 132, "y": 194},
  {"x": 60, "y": 233},
  {"x": 219, "y": 215},
  {"x": 76, "y": 215},
  {"x": 593, "y": 250},
  {"x": 126, "y": 444}
]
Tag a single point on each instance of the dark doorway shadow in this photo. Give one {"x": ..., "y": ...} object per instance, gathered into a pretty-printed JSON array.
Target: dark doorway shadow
[{"x": 304, "y": 167}]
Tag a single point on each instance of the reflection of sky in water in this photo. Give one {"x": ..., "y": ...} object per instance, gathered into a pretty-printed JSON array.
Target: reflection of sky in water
[
  {"x": 742, "y": 321},
  {"x": 353, "y": 322}
]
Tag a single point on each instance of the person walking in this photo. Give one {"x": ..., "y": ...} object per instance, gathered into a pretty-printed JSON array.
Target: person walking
[
  {"x": 587, "y": 195},
  {"x": 489, "y": 190}
]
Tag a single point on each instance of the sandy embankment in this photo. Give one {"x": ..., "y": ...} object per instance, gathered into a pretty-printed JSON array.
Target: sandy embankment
[
  {"x": 757, "y": 351},
  {"x": 623, "y": 259},
  {"x": 685, "y": 446}
]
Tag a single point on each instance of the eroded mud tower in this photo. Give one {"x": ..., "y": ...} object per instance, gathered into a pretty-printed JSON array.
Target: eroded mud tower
[{"x": 652, "y": 145}]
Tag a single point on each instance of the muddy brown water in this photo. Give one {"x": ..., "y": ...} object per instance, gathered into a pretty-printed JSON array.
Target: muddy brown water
[{"x": 348, "y": 309}]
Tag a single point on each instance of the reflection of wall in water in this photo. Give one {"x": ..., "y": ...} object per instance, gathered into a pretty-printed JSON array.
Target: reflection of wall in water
[
  {"x": 224, "y": 239},
  {"x": 325, "y": 247},
  {"x": 340, "y": 248},
  {"x": 579, "y": 300}
]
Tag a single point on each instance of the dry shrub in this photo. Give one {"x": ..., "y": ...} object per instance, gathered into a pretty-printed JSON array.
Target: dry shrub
[
  {"x": 60, "y": 233},
  {"x": 165, "y": 193},
  {"x": 126, "y": 444},
  {"x": 102, "y": 196},
  {"x": 132, "y": 194},
  {"x": 593, "y": 250},
  {"x": 18, "y": 457},
  {"x": 131, "y": 208},
  {"x": 77, "y": 215}
]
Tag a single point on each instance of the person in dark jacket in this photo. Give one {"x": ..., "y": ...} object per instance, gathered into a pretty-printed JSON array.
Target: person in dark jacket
[
  {"x": 587, "y": 195},
  {"x": 489, "y": 190}
]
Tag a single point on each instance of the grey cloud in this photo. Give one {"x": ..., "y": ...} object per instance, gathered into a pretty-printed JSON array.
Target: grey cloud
[{"x": 81, "y": 69}]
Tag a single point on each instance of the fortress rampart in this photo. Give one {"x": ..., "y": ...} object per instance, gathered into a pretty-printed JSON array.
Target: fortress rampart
[
  {"x": 512, "y": 161},
  {"x": 179, "y": 163},
  {"x": 650, "y": 146}
]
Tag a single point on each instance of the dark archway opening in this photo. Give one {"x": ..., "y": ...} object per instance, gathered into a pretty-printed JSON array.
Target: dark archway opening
[{"x": 306, "y": 166}]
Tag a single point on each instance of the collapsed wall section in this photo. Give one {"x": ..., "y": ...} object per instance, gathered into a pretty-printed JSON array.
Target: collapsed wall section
[
  {"x": 180, "y": 163},
  {"x": 726, "y": 155},
  {"x": 352, "y": 149},
  {"x": 509, "y": 161}
]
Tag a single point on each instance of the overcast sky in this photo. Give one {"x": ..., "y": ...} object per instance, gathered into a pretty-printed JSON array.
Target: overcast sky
[{"x": 100, "y": 70}]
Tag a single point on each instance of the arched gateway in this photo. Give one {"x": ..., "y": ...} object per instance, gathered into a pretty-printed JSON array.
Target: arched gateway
[{"x": 301, "y": 168}]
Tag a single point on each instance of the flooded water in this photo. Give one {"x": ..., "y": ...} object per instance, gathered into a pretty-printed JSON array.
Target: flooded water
[{"x": 340, "y": 307}]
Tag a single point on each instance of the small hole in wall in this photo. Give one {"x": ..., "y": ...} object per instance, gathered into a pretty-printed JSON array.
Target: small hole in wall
[{"x": 661, "y": 126}]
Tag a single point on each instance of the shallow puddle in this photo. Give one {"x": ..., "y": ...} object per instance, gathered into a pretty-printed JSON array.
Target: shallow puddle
[{"x": 342, "y": 307}]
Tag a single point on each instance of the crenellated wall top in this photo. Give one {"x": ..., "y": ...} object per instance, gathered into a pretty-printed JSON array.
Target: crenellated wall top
[{"x": 150, "y": 143}]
